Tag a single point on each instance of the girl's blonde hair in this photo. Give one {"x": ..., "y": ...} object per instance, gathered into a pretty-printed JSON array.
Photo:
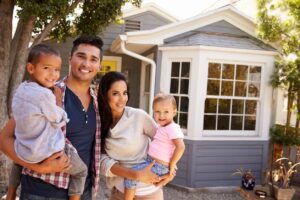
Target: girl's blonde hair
[{"x": 165, "y": 97}]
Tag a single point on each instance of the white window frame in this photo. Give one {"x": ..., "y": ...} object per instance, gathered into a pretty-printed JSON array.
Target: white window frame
[
  {"x": 184, "y": 130},
  {"x": 239, "y": 133}
]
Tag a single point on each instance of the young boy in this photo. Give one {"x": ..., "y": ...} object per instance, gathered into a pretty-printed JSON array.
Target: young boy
[
  {"x": 167, "y": 146},
  {"x": 39, "y": 121}
]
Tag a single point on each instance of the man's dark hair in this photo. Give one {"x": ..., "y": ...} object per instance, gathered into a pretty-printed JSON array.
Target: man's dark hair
[
  {"x": 88, "y": 39},
  {"x": 37, "y": 50}
]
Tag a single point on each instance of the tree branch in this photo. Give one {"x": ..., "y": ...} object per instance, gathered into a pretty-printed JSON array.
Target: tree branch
[{"x": 53, "y": 22}]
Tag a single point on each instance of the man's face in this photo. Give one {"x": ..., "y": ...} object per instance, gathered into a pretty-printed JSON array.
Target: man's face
[{"x": 85, "y": 62}]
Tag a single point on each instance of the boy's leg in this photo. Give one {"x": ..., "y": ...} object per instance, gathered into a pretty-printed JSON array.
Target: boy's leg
[
  {"x": 14, "y": 181},
  {"x": 78, "y": 173}
]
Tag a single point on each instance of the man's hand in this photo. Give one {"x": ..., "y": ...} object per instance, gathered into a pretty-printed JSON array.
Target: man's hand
[
  {"x": 147, "y": 176},
  {"x": 58, "y": 162}
]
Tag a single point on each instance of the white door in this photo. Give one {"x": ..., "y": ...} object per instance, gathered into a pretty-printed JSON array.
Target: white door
[{"x": 145, "y": 85}]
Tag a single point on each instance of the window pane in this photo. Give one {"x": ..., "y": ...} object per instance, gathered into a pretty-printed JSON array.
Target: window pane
[
  {"x": 175, "y": 69},
  {"x": 214, "y": 70},
  {"x": 254, "y": 74},
  {"x": 177, "y": 101},
  {"x": 185, "y": 69},
  {"x": 250, "y": 107},
  {"x": 236, "y": 122},
  {"x": 253, "y": 90},
  {"x": 227, "y": 88},
  {"x": 250, "y": 123},
  {"x": 176, "y": 119},
  {"x": 183, "y": 118},
  {"x": 224, "y": 105},
  {"x": 184, "y": 104},
  {"x": 213, "y": 87},
  {"x": 223, "y": 122},
  {"x": 241, "y": 72},
  {"x": 210, "y": 106},
  {"x": 184, "y": 86},
  {"x": 209, "y": 122},
  {"x": 227, "y": 71},
  {"x": 237, "y": 106},
  {"x": 240, "y": 89},
  {"x": 174, "y": 86}
]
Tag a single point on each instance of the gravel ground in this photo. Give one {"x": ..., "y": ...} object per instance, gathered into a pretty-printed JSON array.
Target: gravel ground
[{"x": 175, "y": 193}]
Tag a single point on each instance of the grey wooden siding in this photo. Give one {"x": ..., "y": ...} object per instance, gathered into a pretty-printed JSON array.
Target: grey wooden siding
[
  {"x": 149, "y": 20},
  {"x": 219, "y": 34},
  {"x": 211, "y": 163}
]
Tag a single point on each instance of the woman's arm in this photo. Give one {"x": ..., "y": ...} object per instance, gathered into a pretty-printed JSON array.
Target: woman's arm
[
  {"x": 111, "y": 168},
  {"x": 145, "y": 175},
  {"x": 56, "y": 163}
]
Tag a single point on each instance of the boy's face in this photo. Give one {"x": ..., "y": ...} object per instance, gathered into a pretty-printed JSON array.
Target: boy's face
[
  {"x": 85, "y": 63},
  {"x": 164, "y": 112},
  {"x": 46, "y": 70}
]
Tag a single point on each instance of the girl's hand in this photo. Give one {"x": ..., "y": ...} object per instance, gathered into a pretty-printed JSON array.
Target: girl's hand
[
  {"x": 165, "y": 179},
  {"x": 147, "y": 176}
]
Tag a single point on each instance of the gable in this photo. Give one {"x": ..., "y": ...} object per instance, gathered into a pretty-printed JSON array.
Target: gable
[
  {"x": 149, "y": 20},
  {"x": 218, "y": 34}
]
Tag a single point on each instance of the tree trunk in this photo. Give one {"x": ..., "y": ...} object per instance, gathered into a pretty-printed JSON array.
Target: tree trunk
[
  {"x": 18, "y": 67},
  {"x": 6, "y": 14}
]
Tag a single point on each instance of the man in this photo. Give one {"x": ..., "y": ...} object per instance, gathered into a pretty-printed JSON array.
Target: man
[{"x": 82, "y": 131}]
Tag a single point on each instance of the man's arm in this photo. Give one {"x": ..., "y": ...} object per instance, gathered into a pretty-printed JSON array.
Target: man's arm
[{"x": 56, "y": 163}]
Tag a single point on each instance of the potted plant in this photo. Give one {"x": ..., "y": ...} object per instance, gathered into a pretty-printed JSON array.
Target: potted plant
[
  {"x": 247, "y": 178},
  {"x": 281, "y": 176}
]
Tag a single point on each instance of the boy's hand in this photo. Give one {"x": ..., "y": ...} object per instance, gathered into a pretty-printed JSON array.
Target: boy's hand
[{"x": 58, "y": 94}]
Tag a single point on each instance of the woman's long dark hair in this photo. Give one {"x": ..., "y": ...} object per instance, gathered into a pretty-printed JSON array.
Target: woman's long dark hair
[{"x": 105, "y": 112}]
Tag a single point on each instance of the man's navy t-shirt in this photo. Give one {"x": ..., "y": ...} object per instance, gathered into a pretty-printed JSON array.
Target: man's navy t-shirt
[{"x": 81, "y": 130}]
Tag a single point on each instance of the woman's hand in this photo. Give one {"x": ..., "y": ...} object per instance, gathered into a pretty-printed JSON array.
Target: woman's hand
[
  {"x": 165, "y": 179},
  {"x": 58, "y": 162},
  {"x": 147, "y": 176}
]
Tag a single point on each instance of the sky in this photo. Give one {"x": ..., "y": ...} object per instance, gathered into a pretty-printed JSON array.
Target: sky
[{"x": 182, "y": 9}]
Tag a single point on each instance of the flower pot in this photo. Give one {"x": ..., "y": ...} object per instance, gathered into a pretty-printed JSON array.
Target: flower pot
[
  {"x": 248, "y": 183},
  {"x": 284, "y": 194}
]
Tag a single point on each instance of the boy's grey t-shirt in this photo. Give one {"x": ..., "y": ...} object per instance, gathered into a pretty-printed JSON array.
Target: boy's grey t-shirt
[
  {"x": 38, "y": 123},
  {"x": 81, "y": 135}
]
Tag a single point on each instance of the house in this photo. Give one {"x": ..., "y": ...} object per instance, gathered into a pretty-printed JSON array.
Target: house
[{"x": 218, "y": 71}]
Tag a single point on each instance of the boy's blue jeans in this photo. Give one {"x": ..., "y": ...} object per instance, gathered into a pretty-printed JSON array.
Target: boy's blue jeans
[{"x": 158, "y": 168}]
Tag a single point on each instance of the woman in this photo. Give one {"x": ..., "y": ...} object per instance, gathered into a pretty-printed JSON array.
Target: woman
[{"x": 125, "y": 134}]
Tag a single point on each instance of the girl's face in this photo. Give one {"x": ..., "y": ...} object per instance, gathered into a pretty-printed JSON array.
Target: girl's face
[
  {"x": 164, "y": 112},
  {"x": 117, "y": 97}
]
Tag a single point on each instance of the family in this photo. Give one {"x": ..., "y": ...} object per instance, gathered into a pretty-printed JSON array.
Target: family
[{"x": 64, "y": 134}]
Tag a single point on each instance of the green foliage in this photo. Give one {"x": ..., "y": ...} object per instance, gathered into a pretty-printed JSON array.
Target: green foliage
[
  {"x": 89, "y": 17},
  {"x": 284, "y": 136}
]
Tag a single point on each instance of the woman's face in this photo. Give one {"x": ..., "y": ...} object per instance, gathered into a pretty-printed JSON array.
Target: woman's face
[{"x": 117, "y": 97}]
